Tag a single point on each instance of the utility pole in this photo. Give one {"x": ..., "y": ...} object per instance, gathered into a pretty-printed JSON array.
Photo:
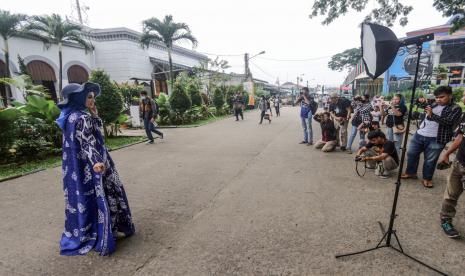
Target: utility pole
[
  {"x": 78, "y": 7},
  {"x": 247, "y": 70}
]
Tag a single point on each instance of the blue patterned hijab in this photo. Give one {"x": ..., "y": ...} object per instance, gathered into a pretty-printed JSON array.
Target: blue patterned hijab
[{"x": 75, "y": 96}]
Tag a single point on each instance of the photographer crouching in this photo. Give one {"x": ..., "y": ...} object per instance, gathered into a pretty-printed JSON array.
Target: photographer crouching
[
  {"x": 380, "y": 154},
  {"x": 328, "y": 140}
]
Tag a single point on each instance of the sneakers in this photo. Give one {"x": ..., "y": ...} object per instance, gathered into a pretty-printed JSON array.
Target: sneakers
[
  {"x": 303, "y": 142},
  {"x": 449, "y": 229},
  {"x": 149, "y": 142},
  {"x": 343, "y": 148},
  {"x": 310, "y": 144},
  {"x": 349, "y": 151}
]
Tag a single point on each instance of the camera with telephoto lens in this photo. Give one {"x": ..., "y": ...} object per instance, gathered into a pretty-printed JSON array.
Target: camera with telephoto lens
[{"x": 359, "y": 158}]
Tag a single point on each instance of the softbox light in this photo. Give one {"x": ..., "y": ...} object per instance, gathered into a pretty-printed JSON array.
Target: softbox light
[{"x": 379, "y": 48}]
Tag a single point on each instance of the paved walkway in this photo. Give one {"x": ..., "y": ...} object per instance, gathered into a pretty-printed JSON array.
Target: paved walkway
[{"x": 234, "y": 198}]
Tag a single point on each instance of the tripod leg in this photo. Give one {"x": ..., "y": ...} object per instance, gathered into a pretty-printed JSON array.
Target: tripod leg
[
  {"x": 398, "y": 242},
  {"x": 420, "y": 262},
  {"x": 378, "y": 246}
]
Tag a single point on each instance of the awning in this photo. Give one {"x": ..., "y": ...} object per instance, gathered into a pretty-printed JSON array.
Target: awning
[
  {"x": 166, "y": 63},
  {"x": 41, "y": 71},
  {"x": 77, "y": 74}
]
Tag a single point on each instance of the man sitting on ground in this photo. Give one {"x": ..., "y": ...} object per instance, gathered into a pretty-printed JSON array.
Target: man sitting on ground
[
  {"x": 380, "y": 154},
  {"x": 328, "y": 132}
]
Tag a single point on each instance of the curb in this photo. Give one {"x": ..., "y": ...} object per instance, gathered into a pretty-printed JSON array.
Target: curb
[{"x": 51, "y": 167}]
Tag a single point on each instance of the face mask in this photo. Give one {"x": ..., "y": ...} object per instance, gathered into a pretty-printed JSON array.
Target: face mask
[{"x": 143, "y": 97}]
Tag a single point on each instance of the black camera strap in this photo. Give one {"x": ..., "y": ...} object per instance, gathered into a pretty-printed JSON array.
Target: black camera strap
[{"x": 364, "y": 168}]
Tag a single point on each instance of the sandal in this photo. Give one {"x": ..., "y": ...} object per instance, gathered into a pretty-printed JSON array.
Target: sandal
[
  {"x": 408, "y": 176},
  {"x": 427, "y": 183}
]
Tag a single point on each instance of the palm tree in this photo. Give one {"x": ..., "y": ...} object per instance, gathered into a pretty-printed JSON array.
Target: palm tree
[
  {"x": 166, "y": 32},
  {"x": 10, "y": 25},
  {"x": 52, "y": 29}
]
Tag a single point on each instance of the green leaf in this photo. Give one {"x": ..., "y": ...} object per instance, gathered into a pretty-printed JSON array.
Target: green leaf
[
  {"x": 9, "y": 114},
  {"x": 37, "y": 102}
]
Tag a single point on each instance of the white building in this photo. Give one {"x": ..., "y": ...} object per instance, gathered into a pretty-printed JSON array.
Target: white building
[{"x": 116, "y": 50}]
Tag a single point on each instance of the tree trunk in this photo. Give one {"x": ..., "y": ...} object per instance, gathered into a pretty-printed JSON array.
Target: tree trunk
[
  {"x": 171, "y": 69},
  {"x": 7, "y": 87},
  {"x": 60, "y": 73}
]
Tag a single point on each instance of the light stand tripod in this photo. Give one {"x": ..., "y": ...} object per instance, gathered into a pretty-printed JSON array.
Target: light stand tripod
[{"x": 387, "y": 237}]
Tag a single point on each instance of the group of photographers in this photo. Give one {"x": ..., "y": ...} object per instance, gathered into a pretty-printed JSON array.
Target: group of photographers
[{"x": 441, "y": 121}]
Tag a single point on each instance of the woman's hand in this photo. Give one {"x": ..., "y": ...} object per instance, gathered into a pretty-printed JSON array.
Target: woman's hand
[
  {"x": 93, "y": 110},
  {"x": 99, "y": 167}
]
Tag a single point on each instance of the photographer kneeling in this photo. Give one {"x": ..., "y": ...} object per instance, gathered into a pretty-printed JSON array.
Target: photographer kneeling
[{"x": 380, "y": 154}]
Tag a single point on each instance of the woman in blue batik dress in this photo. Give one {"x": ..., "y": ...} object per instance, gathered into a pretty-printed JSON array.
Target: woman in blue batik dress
[{"x": 96, "y": 207}]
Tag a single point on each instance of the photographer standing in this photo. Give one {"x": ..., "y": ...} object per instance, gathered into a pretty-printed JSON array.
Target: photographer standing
[
  {"x": 277, "y": 106},
  {"x": 340, "y": 109},
  {"x": 395, "y": 120},
  {"x": 435, "y": 132},
  {"x": 380, "y": 154},
  {"x": 361, "y": 122},
  {"x": 307, "y": 107}
]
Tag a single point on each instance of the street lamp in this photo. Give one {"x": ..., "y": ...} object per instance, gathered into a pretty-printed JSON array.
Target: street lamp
[{"x": 246, "y": 61}]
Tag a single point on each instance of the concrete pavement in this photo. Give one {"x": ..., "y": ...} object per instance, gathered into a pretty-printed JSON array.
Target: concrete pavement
[{"x": 234, "y": 198}]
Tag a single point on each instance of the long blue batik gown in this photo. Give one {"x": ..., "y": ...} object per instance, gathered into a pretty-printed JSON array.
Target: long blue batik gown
[{"x": 96, "y": 206}]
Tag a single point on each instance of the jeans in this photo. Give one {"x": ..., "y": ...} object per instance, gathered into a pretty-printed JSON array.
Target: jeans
[
  {"x": 396, "y": 138},
  {"x": 307, "y": 127},
  {"x": 238, "y": 112},
  {"x": 431, "y": 149},
  {"x": 353, "y": 133},
  {"x": 277, "y": 111},
  {"x": 149, "y": 128},
  {"x": 341, "y": 136}
]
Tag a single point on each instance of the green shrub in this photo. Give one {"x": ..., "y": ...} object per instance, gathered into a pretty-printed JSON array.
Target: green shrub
[
  {"x": 30, "y": 142},
  {"x": 218, "y": 98},
  {"x": 129, "y": 93},
  {"x": 458, "y": 94},
  {"x": 194, "y": 93},
  {"x": 110, "y": 101},
  {"x": 205, "y": 99},
  {"x": 179, "y": 100}
]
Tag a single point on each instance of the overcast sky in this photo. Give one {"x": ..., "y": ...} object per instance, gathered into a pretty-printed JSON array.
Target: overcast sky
[{"x": 281, "y": 28}]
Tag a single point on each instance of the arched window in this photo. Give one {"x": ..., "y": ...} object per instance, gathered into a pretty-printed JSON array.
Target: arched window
[
  {"x": 42, "y": 73},
  {"x": 77, "y": 74}
]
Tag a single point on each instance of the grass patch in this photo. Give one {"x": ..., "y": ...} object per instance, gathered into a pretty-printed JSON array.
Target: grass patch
[
  {"x": 12, "y": 170},
  {"x": 206, "y": 121}
]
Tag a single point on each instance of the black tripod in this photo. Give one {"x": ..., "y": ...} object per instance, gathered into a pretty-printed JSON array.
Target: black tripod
[{"x": 387, "y": 237}]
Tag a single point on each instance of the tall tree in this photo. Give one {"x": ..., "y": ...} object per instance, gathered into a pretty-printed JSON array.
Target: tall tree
[
  {"x": 345, "y": 60},
  {"x": 10, "y": 25},
  {"x": 52, "y": 29},
  {"x": 388, "y": 12},
  {"x": 167, "y": 32}
]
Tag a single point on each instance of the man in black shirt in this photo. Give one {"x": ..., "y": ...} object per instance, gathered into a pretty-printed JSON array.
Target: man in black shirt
[
  {"x": 454, "y": 182},
  {"x": 340, "y": 109},
  {"x": 380, "y": 153}
]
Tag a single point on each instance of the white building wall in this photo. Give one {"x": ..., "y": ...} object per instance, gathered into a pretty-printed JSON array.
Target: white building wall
[{"x": 31, "y": 50}]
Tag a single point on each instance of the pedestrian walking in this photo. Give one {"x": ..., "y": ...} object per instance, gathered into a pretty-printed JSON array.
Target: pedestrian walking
[
  {"x": 238, "y": 105},
  {"x": 307, "y": 107},
  {"x": 148, "y": 111},
  {"x": 340, "y": 109},
  {"x": 264, "y": 106},
  {"x": 277, "y": 106},
  {"x": 96, "y": 208},
  {"x": 435, "y": 132}
]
